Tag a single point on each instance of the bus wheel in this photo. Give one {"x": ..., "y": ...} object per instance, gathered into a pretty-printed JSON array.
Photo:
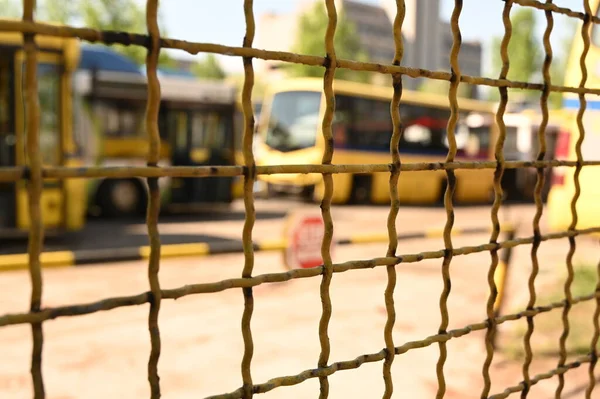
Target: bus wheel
[
  {"x": 361, "y": 189},
  {"x": 272, "y": 192},
  {"x": 307, "y": 193},
  {"x": 124, "y": 197}
]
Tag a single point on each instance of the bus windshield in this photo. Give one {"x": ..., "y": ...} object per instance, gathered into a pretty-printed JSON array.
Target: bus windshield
[{"x": 293, "y": 120}]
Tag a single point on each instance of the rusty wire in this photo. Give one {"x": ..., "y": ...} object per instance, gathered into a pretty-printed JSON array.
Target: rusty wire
[
  {"x": 538, "y": 202},
  {"x": 125, "y": 38},
  {"x": 153, "y": 210},
  {"x": 34, "y": 185},
  {"x": 34, "y": 175},
  {"x": 449, "y": 194},
  {"x": 394, "y": 201},
  {"x": 20, "y": 173},
  {"x": 248, "y": 202},
  {"x": 328, "y": 195},
  {"x": 595, "y": 339},
  {"x": 585, "y": 35},
  {"x": 499, "y": 155}
]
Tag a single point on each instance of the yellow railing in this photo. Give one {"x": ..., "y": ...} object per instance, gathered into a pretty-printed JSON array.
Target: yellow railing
[{"x": 247, "y": 281}]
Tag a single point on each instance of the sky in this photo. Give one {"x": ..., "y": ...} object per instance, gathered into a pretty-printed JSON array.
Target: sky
[{"x": 222, "y": 21}]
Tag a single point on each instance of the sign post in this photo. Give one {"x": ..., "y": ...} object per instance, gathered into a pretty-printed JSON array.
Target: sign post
[{"x": 304, "y": 236}]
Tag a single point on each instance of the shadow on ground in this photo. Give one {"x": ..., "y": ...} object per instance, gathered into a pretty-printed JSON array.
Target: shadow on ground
[{"x": 110, "y": 234}]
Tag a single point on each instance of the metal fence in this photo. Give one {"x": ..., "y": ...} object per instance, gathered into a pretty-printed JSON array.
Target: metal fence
[{"x": 154, "y": 42}]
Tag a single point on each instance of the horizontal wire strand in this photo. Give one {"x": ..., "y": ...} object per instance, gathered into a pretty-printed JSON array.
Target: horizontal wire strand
[
  {"x": 19, "y": 173},
  {"x": 204, "y": 288},
  {"x": 128, "y": 39}
]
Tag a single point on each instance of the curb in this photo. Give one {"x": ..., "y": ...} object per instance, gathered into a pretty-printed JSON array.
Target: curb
[{"x": 61, "y": 259}]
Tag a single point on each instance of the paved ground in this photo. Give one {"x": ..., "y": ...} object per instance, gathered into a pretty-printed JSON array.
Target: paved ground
[
  {"x": 118, "y": 233},
  {"x": 105, "y": 354}
]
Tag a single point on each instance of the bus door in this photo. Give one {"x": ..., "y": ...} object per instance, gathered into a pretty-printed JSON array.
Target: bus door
[
  {"x": 8, "y": 138},
  {"x": 13, "y": 196},
  {"x": 212, "y": 143},
  {"x": 203, "y": 137},
  {"x": 49, "y": 77}
]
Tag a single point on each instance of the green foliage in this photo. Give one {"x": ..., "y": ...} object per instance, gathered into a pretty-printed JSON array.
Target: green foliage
[
  {"x": 117, "y": 15},
  {"x": 526, "y": 54},
  {"x": 10, "y": 9},
  {"x": 120, "y": 15},
  {"x": 549, "y": 326},
  {"x": 209, "y": 68},
  {"x": 524, "y": 51},
  {"x": 310, "y": 40},
  {"x": 59, "y": 12}
]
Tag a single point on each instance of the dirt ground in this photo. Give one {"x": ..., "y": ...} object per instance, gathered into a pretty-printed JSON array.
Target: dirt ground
[{"x": 104, "y": 355}]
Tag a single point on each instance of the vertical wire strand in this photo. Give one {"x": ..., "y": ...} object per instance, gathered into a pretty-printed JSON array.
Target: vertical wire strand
[
  {"x": 595, "y": 337},
  {"x": 449, "y": 194},
  {"x": 538, "y": 201},
  {"x": 499, "y": 155},
  {"x": 34, "y": 190},
  {"x": 395, "y": 202},
  {"x": 249, "y": 176},
  {"x": 585, "y": 34},
  {"x": 326, "y": 202},
  {"x": 153, "y": 210}
]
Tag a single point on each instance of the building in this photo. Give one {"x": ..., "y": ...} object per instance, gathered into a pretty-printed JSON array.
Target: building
[
  {"x": 469, "y": 58},
  {"x": 275, "y": 32},
  {"x": 427, "y": 40}
]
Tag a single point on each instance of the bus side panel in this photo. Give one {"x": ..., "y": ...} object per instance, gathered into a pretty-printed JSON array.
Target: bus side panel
[
  {"x": 474, "y": 186},
  {"x": 563, "y": 187},
  {"x": 76, "y": 192},
  {"x": 342, "y": 186},
  {"x": 51, "y": 204}
]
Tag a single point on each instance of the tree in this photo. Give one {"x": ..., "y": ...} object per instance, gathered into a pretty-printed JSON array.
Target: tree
[
  {"x": 310, "y": 39},
  {"x": 117, "y": 15},
  {"x": 209, "y": 68},
  {"x": 11, "y": 9},
  {"x": 524, "y": 53},
  {"x": 59, "y": 12}
]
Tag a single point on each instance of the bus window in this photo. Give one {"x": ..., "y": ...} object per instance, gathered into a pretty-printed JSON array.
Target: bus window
[
  {"x": 49, "y": 88},
  {"x": 433, "y": 120},
  {"x": 293, "y": 121},
  {"x": 369, "y": 125},
  {"x": 366, "y": 124},
  {"x": 121, "y": 120},
  {"x": 177, "y": 124},
  {"x": 199, "y": 130}
]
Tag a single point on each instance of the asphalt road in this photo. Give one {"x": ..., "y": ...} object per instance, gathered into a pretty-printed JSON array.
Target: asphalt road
[
  {"x": 226, "y": 226},
  {"x": 123, "y": 233}
]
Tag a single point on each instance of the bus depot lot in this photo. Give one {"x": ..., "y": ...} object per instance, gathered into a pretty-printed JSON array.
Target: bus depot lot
[{"x": 105, "y": 354}]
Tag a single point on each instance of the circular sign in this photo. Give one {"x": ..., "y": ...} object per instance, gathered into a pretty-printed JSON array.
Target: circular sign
[{"x": 304, "y": 239}]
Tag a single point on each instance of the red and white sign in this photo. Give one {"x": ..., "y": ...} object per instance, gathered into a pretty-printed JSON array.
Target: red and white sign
[{"x": 304, "y": 239}]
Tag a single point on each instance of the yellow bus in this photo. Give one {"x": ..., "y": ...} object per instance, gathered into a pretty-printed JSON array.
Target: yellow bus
[
  {"x": 63, "y": 202},
  {"x": 238, "y": 185},
  {"x": 521, "y": 144},
  {"x": 196, "y": 124},
  {"x": 563, "y": 184},
  {"x": 290, "y": 132}
]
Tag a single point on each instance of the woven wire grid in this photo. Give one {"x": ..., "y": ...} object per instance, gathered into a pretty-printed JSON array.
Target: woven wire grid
[{"x": 36, "y": 174}]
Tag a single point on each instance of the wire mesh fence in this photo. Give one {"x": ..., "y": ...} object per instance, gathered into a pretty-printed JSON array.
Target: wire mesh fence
[{"x": 35, "y": 174}]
